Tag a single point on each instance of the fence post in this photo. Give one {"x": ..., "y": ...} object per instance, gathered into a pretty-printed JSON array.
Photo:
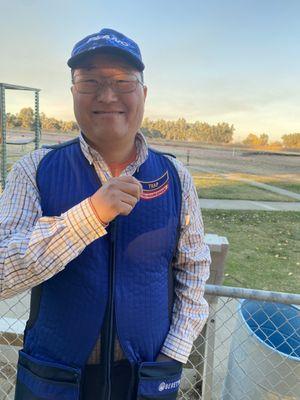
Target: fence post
[
  {"x": 3, "y": 135},
  {"x": 188, "y": 152},
  {"x": 37, "y": 124},
  {"x": 203, "y": 355},
  {"x": 218, "y": 247}
]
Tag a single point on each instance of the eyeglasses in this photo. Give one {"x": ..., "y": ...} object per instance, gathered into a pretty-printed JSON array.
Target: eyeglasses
[{"x": 123, "y": 83}]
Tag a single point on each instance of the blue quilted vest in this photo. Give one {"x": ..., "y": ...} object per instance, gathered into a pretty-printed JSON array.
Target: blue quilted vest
[{"x": 126, "y": 273}]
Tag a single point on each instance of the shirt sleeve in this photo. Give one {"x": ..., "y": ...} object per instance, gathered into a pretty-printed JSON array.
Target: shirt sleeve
[
  {"x": 191, "y": 270},
  {"x": 33, "y": 248}
]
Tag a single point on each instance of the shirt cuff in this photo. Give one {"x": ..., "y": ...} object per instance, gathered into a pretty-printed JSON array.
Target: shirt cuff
[
  {"x": 97, "y": 215},
  {"x": 83, "y": 222},
  {"x": 177, "y": 347}
]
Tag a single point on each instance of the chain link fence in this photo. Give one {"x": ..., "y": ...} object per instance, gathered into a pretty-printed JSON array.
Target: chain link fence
[{"x": 249, "y": 349}]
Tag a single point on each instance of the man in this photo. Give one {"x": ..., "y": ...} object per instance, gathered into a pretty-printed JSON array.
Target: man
[{"x": 109, "y": 235}]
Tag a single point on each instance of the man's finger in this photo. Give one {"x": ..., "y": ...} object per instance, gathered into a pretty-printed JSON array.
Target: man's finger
[
  {"x": 133, "y": 189},
  {"x": 128, "y": 199},
  {"x": 125, "y": 209},
  {"x": 131, "y": 179},
  {"x": 127, "y": 178}
]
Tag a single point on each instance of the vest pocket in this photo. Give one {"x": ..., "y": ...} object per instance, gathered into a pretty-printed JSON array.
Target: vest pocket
[
  {"x": 159, "y": 380},
  {"x": 42, "y": 380}
]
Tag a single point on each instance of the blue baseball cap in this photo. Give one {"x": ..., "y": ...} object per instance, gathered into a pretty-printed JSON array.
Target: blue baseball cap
[{"x": 108, "y": 41}]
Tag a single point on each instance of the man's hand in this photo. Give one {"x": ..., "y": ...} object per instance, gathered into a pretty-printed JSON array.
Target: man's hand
[{"x": 118, "y": 196}]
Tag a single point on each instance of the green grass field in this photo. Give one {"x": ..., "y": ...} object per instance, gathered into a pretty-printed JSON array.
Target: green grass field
[
  {"x": 211, "y": 186},
  {"x": 264, "y": 247}
]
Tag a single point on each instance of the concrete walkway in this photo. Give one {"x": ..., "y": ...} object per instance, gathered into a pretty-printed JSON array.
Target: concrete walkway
[
  {"x": 249, "y": 205},
  {"x": 260, "y": 185},
  {"x": 272, "y": 188}
]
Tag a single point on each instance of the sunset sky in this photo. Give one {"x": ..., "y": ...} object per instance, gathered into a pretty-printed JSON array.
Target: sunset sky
[{"x": 235, "y": 61}]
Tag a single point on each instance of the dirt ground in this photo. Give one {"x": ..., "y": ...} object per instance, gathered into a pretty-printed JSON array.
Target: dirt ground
[
  {"x": 213, "y": 158},
  {"x": 237, "y": 161}
]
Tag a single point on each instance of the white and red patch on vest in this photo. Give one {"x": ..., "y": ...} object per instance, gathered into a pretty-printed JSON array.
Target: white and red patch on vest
[{"x": 155, "y": 188}]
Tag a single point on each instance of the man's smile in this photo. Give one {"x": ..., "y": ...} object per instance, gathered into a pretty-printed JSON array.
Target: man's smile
[{"x": 104, "y": 113}]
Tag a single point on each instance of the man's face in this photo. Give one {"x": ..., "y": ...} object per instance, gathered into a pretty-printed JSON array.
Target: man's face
[{"x": 106, "y": 117}]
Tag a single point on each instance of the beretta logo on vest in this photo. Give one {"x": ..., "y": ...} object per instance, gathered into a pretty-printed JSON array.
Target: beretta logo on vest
[{"x": 167, "y": 386}]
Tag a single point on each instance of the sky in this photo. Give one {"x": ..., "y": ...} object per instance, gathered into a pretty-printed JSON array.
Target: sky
[{"x": 234, "y": 61}]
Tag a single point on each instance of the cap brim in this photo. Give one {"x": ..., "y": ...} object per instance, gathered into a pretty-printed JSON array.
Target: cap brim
[{"x": 76, "y": 61}]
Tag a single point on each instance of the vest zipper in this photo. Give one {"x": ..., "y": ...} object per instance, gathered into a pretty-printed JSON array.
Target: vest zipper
[{"x": 110, "y": 331}]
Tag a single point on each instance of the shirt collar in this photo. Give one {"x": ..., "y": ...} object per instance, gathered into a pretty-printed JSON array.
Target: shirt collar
[{"x": 93, "y": 156}]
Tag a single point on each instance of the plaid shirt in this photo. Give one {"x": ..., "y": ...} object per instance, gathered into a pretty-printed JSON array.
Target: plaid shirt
[{"x": 33, "y": 248}]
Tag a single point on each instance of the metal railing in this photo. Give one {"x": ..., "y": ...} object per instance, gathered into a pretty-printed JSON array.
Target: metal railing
[
  {"x": 229, "y": 361},
  {"x": 244, "y": 353}
]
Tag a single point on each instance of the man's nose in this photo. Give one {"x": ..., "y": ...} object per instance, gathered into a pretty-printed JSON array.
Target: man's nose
[{"x": 105, "y": 93}]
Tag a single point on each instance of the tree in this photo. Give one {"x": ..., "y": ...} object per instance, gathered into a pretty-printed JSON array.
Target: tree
[
  {"x": 68, "y": 126},
  {"x": 264, "y": 139},
  {"x": 201, "y": 131},
  {"x": 12, "y": 120},
  {"x": 292, "y": 140},
  {"x": 26, "y": 117},
  {"x": 183, "y": 130},
  {"x": 253, "y": 140},
  {"x": 221, "y": 133},
  {"x": 50, "y": 123}
]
